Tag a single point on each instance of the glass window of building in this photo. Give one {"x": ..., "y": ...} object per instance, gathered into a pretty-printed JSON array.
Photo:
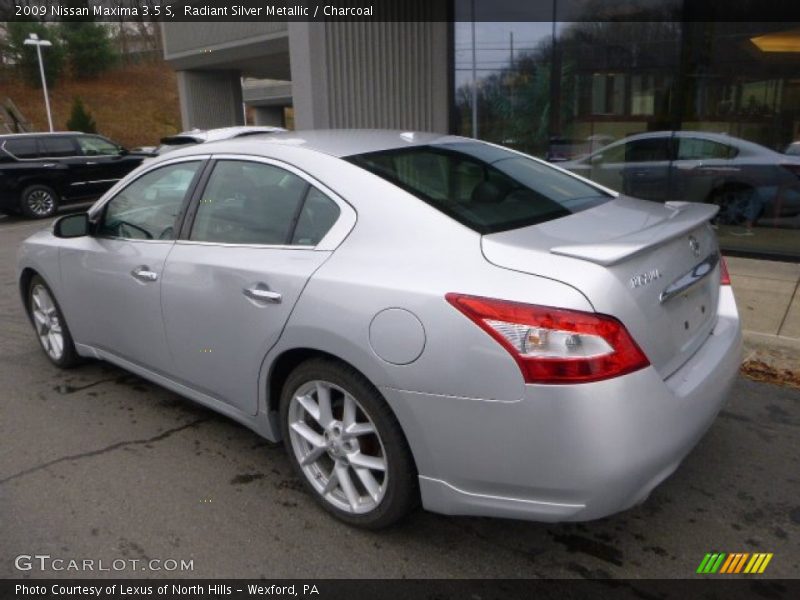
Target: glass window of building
[{"x": 725, "y": 96}]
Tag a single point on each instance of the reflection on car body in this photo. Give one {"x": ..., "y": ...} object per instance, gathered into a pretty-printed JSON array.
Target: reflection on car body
[{"x": 748, "y": 182}]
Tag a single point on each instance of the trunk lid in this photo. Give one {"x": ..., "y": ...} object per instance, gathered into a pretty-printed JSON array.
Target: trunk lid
[{"x": 651, "y": 265}]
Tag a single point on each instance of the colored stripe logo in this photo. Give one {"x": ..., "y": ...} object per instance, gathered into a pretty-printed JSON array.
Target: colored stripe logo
[{"x": 736, "y": 562}]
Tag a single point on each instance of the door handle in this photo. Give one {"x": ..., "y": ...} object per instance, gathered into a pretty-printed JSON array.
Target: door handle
[
  {"x": 144, "y": 273},
  {"x": 262, "y": 293},
  {"x": 90, "y": 162}
]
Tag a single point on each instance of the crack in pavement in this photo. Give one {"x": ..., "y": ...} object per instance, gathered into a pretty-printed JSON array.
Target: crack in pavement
[{"x": 157, "y": 438}]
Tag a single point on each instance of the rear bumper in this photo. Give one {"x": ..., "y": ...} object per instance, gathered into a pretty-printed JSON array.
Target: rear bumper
[{"x": 568, "y": 452}]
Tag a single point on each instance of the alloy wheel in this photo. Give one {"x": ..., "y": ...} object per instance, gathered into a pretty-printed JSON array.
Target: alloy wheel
[
  {"x": 338, "y": 447},
  {"x": 47, "y": 322},
  {"x": 41, "y": 203}
]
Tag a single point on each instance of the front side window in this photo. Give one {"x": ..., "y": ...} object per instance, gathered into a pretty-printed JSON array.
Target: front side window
[
  {"x": 647, "y": 150},
  {"x": 148, "y": 208},
  {"x": 486, "y": 188},
  {"x": 256, "y": 203},
  {"x": 97, "y": 146}
]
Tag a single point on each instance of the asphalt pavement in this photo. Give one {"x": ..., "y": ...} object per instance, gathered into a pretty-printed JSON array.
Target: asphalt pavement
[{"x": 97, "y": 464}]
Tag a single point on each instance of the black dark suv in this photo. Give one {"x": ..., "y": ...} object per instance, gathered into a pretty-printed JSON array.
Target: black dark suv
[{"x": 39, "y": 171}]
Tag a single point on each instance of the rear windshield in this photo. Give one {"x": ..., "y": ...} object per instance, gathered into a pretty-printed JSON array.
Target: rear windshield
[{"x": 486, "y": 188}]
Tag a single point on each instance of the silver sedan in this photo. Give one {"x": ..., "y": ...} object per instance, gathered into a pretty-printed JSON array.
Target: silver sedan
[
  {"x": 751, "y": 184},
  {"x": 419, "y": 318}
]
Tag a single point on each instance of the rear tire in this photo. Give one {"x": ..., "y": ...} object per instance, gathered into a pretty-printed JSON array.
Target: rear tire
[
  {"x": 733, "y": 200},
  {"x": 346, "y": 445},
  {"x": 51, "y": 327},
  {"x": 38, "y": 201}
]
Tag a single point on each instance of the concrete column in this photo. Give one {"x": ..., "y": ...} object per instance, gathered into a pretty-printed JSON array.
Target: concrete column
[
  {"x": 210, "y": 99},
  {"x": 309, "y": 75},
  {"x": 268, "y": 115},
  {"x": 378, "y": 75}
]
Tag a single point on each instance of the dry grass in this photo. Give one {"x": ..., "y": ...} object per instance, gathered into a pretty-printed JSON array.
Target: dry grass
[{"x": 134, "y": 105}]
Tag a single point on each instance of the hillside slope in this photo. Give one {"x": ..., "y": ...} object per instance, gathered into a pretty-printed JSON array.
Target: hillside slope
[{"x": 135, "y": 105}]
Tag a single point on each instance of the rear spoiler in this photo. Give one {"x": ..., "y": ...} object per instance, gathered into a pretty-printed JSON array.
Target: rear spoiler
[{"x": 686, "y": 216}]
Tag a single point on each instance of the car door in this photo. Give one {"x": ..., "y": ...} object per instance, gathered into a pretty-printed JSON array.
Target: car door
[
  {"x": 647, "y": 168},
  {"x": 48, "y": 159},
  {"x": 700, "y": 165},
  {"x": 107, "y": 162},
  {"x": 61, "y": 152},
  {"x": 231, "y": 282},
  {"x": 605, "y": 166},
  {"x": 112, "y": 279}
]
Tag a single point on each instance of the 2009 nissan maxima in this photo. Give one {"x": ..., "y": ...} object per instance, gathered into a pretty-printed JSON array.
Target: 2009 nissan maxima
[{"x": 418, "y": 317}]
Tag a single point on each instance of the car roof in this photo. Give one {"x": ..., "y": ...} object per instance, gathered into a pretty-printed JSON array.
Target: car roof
[
  {"x": 346, "y": 142},
  {"x": 10, "y": 136},
  {"x": 220, "y": 133},
  {"x": 722, "y": 138}
]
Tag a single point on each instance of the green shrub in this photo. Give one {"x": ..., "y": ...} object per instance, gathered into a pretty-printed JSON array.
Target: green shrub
[{"x": 80, "y": 119}]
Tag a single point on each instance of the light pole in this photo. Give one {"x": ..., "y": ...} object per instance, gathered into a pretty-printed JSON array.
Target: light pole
[{"x": 33, "y": 40}]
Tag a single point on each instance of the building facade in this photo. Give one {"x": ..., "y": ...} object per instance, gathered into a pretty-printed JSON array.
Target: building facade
[{"x": 565, "y": 89}]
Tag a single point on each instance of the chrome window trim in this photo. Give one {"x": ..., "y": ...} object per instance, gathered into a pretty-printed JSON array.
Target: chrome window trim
[
  {"x": 260, "y": 246},
  {"x": 108, "y": 238},
  {"x": 336, "y": 234}
]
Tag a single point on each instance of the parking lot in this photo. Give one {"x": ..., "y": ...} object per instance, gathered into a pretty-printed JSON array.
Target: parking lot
[{"x": 99, "y": 464}]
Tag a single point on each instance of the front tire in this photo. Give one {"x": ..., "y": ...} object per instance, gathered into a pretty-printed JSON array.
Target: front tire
[
  {"x": 38, "y": 201},
  {"x": 51, "y": 328},
  {"x": 346, "y": 445}
]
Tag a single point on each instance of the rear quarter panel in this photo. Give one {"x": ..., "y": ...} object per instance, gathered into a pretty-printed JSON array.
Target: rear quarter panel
[{"x": 402, "y": 253}]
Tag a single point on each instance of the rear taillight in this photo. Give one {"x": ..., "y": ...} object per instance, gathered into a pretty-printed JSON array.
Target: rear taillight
[
  {"x": 724, "y": 276},
  {"x": 555, "y": 345}
]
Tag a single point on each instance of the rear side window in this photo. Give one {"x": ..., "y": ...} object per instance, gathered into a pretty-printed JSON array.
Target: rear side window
[
  {"x": 58, "y": 146},
  {"x": 317, "y": 216},
  {"x": 256, "y": 203},
  {"x": 488, "y": 189},
  {"x": 22, "y": 147},
  {"x": 698, "y": 149},
  {"x": 248, "y": 203}
]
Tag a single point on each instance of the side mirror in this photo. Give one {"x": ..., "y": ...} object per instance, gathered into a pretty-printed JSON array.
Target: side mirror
[
  {"x": 72, "y": 226},
  {"x": 124, "y": 151}
]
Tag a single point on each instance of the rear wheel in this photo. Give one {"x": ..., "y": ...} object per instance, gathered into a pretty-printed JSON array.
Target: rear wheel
[
  {"x": 734, "y": 202},
  {"x": 38, "y": 201},
  {"x": 346, "y": 445},
  {"x": 51, "y": 328}
]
